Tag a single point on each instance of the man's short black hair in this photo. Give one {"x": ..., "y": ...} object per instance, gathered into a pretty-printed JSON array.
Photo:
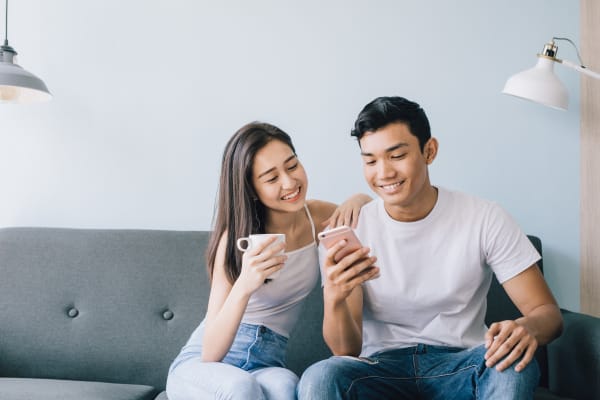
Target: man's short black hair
[{"x": 386, "y": 110}]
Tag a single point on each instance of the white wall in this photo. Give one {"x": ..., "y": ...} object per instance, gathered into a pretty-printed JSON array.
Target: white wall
[{"x": 147, "y": 92}]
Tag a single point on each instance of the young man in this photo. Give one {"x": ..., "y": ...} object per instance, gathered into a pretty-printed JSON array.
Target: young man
[{"x": 418, "y": 331}]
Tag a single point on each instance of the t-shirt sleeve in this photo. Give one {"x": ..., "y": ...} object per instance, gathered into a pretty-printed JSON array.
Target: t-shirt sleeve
[{"x": 507, "y": 249}]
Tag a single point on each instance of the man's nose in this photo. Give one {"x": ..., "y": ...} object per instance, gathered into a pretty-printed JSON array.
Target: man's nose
[{"x": 385, "y": 170}]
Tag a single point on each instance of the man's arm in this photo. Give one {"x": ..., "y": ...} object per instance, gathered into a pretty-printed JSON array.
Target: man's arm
[
  {"x": 540, "y": 324},
  {"x": 342, "y": 295}
]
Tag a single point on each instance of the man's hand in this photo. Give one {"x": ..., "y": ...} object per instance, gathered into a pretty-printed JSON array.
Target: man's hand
[
  {"x": 507, "y": 342},
  {"x": 349, "y": 272}
]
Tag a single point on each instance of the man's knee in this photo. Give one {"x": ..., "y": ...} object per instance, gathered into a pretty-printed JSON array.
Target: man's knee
[
  {"x": 510, "y": 384},
  {"x": 324, "y": 379}
]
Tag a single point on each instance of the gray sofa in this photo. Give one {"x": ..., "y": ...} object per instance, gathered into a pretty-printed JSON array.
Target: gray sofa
[{"x": 100, "y": 314}]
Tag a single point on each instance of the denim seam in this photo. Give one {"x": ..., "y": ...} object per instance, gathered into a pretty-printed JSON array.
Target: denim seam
[
  {"x": 416, "y": 369},
  {"x": 248, "y": 351},
  {"x": 408, "y": 378},
  {"x": 448, "y": 374},
  {"x": 374, "y": 376}
]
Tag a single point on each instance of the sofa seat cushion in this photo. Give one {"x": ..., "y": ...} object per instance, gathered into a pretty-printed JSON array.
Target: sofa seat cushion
[
  {"x": 162, "y": 396},
  {"x": 55, "y": 389},
  {"x": 544, "y": 394}
]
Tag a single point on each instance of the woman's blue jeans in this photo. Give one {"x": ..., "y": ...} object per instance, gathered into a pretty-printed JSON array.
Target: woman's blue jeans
[
  {"x": 252, "y": 369},
  {"x": 419, "y": 372}
]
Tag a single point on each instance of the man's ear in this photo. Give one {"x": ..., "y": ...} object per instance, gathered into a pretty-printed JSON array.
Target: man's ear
[{"x": 430, "y": 150}]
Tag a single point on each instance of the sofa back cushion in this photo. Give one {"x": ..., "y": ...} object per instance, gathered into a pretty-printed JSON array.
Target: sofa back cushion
[
  {"x": 98, "y": 305},
  {"x": 118, "y": 305}
]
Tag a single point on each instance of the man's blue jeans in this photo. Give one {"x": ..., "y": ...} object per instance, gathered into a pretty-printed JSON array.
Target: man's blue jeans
[{"x": 420, "y": 372}]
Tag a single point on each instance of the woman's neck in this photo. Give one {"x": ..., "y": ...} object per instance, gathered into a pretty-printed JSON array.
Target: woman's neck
[{"x": 284, "y": 222}]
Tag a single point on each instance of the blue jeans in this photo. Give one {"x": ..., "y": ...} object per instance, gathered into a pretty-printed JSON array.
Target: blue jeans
[
  {"x": 419, "y": 372},
  {"x": 252, "y": 369}
]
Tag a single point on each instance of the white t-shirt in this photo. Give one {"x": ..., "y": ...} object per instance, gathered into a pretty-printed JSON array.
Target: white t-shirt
[{"x": 436, "y": 272}]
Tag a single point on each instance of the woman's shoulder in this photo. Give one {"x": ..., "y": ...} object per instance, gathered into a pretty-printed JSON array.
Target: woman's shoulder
[{"x": 320, "y": 210}]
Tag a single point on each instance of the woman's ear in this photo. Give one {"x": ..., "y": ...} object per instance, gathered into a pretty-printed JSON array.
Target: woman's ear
[{"x": 430, "y": 150}]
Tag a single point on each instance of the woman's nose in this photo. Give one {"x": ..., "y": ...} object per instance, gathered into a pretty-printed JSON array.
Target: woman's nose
[{"x": 287, "y": 181}]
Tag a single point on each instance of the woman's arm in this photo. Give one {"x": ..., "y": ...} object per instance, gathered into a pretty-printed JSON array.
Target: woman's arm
[
  {"x": 227, "y": 303},
  {"x": 330, "y": 215},
  {"x": 224, "y": 312}
]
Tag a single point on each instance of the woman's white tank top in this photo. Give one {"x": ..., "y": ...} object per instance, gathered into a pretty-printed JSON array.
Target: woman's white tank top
[{"x": 277, "y": 303}]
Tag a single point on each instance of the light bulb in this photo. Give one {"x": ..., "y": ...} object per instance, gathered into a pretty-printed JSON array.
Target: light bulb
[{"x": 9, "y": 93}]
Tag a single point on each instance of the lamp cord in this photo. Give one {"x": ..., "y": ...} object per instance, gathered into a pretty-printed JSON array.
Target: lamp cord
[
  {"x": 567, "y": 40},
  {"x": 6, "y": 23}
]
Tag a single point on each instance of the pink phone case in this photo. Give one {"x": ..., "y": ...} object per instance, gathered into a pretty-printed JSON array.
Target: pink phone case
[{"x": 332, "y": 236}]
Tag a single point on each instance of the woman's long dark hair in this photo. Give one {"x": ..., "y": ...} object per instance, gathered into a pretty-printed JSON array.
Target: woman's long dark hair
[{"x": 239, "y": 212}]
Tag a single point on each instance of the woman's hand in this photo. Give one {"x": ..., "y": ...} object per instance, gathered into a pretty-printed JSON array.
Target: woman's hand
[
  {"x": 351, "y": 271},
  {"x": 347, "y": 212},
  {"x": 507, "y": 342},
  {"x": 260, "y": 262}
]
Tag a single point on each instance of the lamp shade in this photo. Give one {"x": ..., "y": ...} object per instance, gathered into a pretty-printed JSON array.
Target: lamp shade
[
  {"x": 539, "y": 84},
  {"x": 20, "y": 86}
]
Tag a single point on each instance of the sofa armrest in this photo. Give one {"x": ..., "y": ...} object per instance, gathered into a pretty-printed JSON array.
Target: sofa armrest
[{"x": 574, "y": 358}]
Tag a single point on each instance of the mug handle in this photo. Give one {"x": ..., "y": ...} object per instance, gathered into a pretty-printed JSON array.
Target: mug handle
[{"x": 240, "y": 241}]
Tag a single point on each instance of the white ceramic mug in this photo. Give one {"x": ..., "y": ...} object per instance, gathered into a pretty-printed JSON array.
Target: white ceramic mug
[{"x": 255, "y": 240}]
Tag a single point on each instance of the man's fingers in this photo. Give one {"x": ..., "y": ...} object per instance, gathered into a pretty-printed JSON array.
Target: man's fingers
[
  {"x": 523, "y": 351},
  {"x": 527, "y": 357},
  {"x": 497, "y": 341},
  {"x": 356, "y": 269},
  {"x": 332, "y": 251},
  {"x": 514, "y": 353},
  {"x": 491, "y": 333}
]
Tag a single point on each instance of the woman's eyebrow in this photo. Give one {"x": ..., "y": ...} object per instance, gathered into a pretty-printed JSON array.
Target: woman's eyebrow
[{"x": 272, "y": 169}]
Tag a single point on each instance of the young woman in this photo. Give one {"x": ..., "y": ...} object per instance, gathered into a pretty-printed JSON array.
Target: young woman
[{"x": 238, "y": 351}]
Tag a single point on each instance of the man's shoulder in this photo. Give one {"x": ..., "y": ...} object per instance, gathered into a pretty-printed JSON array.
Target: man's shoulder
[
  {"x": 370, "y": 210},
  {"x": 475, "y": 209},
  {"x": 465, "y": 200}
]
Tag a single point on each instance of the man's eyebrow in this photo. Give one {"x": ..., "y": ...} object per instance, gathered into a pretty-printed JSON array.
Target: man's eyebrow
[
  {"x": 388, "y": 150},
  {"x": 273, "y": 169}
]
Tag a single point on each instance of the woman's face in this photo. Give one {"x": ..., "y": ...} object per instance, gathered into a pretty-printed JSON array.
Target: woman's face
[{"x": 279, "y": 178}]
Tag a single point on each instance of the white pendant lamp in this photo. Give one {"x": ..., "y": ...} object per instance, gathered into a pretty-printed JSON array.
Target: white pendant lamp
[
  {"x": 16, "y": 84},
  {"x": 540, "y": 84}
]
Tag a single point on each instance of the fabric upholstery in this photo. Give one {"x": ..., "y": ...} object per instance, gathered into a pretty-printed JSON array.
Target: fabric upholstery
[
  {"x": 94, "y": 305},
  {"x": 51, "y": 389},
  {"x": 579, "y": 345},
  {"x": 100, "y": 314}
]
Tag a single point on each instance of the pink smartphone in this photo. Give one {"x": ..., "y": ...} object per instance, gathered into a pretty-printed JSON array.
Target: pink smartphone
[{"x": 332, "y": 236}]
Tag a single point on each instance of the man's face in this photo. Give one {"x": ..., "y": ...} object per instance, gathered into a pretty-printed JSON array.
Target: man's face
[{"x": 396, "y": 169}]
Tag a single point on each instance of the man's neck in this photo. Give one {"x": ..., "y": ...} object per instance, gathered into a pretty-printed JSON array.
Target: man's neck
[{"x": 417, "y": 210}]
